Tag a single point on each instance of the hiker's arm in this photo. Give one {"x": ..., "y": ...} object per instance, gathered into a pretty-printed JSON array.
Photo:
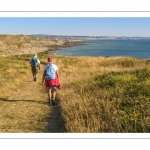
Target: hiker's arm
[
  {"x": 39, "y": 66},
  {"x": 43, "y": 79},
  {"x": 57, "y": 74}
]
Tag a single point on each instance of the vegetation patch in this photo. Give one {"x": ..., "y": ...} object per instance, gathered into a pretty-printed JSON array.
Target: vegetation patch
[
  {"x": 112, "y": 102},
  {"x": 97, "y": 94}
]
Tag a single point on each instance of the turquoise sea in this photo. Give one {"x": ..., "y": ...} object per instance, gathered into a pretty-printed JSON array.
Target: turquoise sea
[{"x": 139, "y": 48}]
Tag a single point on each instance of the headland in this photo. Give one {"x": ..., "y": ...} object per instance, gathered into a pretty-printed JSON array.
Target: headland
[{"x": 24, "y": 44}]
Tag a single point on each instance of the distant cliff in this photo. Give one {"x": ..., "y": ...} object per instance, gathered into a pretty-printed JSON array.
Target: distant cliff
[{"x": 11, "y": 44}]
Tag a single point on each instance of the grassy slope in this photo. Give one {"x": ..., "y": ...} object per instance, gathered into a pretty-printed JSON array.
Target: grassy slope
[
  {"x": 106, "y": 95},
  {"x": 23, "y": 102},
  {"x": 90, "y": 101}
]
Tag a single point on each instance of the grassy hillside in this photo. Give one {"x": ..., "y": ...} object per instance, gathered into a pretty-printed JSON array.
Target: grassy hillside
[
  {"x": 98, "y": 94},
  {"x": 14, "y": 44},
  {"x": 23, "y": 44},
  {"x": 23, "y": 102},
  {"x": 106, "y": 95}
]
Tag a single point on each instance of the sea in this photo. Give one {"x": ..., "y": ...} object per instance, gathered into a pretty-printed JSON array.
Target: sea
[{"x": 138, "y": 48}]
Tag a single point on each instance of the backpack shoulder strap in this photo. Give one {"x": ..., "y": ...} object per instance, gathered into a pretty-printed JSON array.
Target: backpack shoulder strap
[{"x": 51, "y": 66}]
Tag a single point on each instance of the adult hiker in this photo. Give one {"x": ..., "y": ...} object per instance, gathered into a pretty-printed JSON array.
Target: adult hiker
[
  {"x": 51, "y": 80},
  {"x": 35, "y": 66}
]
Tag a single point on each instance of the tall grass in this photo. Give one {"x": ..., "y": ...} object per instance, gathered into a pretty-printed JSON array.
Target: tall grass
[
  {"x": 13, "y": 71},
  {"x": 98, "y": 94},
  {"x": 106, "y": 95}
]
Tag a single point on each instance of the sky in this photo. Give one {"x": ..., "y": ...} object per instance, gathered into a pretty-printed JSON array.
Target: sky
[{"x": 77, "y": 26}]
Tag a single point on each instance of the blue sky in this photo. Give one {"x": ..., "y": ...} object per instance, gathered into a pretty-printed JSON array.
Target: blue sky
[{"x": 80, "y": 26}]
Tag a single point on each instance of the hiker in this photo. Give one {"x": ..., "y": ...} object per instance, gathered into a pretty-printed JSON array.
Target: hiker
[
  {"x": 35, "y": 65},
  {"x": 51, "y": 80}
]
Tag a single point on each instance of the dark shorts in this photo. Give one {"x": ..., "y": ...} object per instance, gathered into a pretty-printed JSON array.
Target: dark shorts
[
  {"x": 53, "y": 87},
  {"x": 34, "y": 70}
]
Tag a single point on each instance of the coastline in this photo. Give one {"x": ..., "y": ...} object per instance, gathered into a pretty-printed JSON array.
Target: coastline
[
  {"x": 51, "y": 48},
  {"x": 41, "y": 49},
  {"x": 67, "y": 44}
]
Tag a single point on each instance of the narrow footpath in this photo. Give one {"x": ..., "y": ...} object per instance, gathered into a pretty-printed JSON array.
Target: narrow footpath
[{"x": 28, "y": 109}]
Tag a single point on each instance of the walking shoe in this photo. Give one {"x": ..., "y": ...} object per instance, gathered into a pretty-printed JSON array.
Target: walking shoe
[
  {"x": 53, "y": 102},
  {"x": 34, "y": 79}
]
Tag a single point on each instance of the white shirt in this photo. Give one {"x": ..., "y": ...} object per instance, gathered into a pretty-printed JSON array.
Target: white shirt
[{"x": 53, "y": 65}]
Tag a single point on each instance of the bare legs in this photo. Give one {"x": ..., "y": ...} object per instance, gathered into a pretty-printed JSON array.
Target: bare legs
[
  {"x": 34, "y": 72},
  {"x": 52, "y": 95},
  {"x": 34, "y": 76}
]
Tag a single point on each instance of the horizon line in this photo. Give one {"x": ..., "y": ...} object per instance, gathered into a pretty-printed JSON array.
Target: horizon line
[{"x": 81, "y": 35}]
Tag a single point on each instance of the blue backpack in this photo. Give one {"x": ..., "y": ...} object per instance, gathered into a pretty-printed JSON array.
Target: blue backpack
[
  {"x": 50, "y": 72},
  {"x": 34, "y": 62}
]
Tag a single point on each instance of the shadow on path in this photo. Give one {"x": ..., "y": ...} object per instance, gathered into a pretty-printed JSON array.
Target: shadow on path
[
  {"x": 55, "y": 121},
  {"x": 11, "y": 101}
]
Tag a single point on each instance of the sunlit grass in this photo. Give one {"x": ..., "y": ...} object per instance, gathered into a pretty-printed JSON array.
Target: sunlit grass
[
  {"x": 20, "y": 98},
  {"x": 98, "y": 94},
  {"x": 108, "y": 98}
]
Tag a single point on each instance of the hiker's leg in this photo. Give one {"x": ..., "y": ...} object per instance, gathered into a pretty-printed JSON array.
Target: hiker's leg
[
  {"x": 33, "y": 73},
  {"x": 53, "y": 94},
  {"x": 34, "y": 77},
  {"x": 53, "y": 91},
  {"x": 49, "y": 94},
  {"x": 32, "y": 70},
  {"x": 36, "y": 72}
]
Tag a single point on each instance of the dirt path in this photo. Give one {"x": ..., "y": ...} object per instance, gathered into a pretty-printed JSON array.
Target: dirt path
[{"x": 28, "y": 109}]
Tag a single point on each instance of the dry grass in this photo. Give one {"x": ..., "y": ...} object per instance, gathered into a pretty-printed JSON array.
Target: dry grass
[
  {"x": 23, "y": 102},
  {"x": 97, "y": 95},
  {"x": 90, "y": 105}
]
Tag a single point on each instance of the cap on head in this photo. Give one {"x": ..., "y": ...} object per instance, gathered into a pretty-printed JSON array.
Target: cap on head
[
  {"x": 50, "y": 59},
  {"x": 35, "y": 55}
]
